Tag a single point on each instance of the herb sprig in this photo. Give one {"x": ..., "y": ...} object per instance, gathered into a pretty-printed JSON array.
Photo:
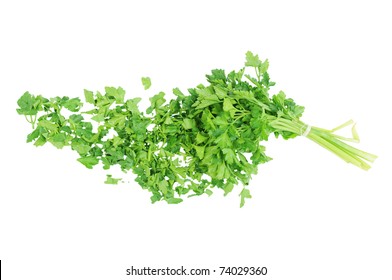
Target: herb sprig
[{"x": 206, "y": 139}]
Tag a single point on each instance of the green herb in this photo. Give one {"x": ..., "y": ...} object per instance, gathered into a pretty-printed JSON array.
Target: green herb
[
  {"x": 146, "y": 81},
  {"x": 209, "y": 138},
  {"x": 111, "y": 180}
]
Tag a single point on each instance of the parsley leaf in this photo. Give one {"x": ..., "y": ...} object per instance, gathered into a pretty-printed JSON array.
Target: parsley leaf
[
  {"x": 112, "y": 181},
  {"x": 146, "y": 81}
]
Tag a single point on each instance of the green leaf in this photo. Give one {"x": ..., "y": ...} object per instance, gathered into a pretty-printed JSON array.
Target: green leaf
[
  {"x": 177, "y": 92},
  {"x": 221, "y": 121},
  {"x": 156, "y": 102},
  {"x": 89, "y": 96},
  {"x": 79, "y": 146},
  {"x": 189, "y": 123},
  {"x": 48, "y": 125},
  {"x": 40, "y": 141},
  {"x": 264, "y": 67},
  {"x": 117, "y": 141},
  {"x": 117, "y": 121},
  {"x": 112, "y": 181},
  {"x": 200, "y": 138},
  {"x": 230, "y": 156},
  {"x": 207, "y": 94},
  {"x": 98, "y": 118},
  {"x": 34, "y": 135},
  {"x": 103, "y": 102},
  {"x": 146, "y": 81},
  {"x": 227, "y": 105},
  {"x": 117, "y": 93},
  {"x": 59, "y": 140},
  {"x": 223, "y": 141},
  {"x": 89, "y": 162},
  {"x": 208, "y": 192},
  {"x": 199, "y": 151},
  {"x": 245, "y": 193},
  {"x": 279, "y": 99},
  {"x": 26, "y": 103},
  {"x": 132, "y": 105},
  {"x": 252, "y": 60},
  {"x": 174, "y": 200},
  {"x": 228, "y": 188},
  {"x": 217, "y": 76},
  {"x": 220, "y": 92},
  {"x": 73, "y": 104},
  {"x": 75, "y": 119},
  {"x": 163, "y": 186},
  {"x": 221, "y": 171},
  {"x": 206, "y": 103}
]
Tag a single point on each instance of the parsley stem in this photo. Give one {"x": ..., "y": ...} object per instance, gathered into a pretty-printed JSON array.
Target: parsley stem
[
  {"x": 328, "y": 140},
  {"x": 333, "y": 139},
  {"x": 339, "y": 151}
]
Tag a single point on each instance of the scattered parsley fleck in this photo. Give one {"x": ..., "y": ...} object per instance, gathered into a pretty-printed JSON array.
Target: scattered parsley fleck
[
  {"x": 111, "y": 180},
  {"x": 146, "y": 81}
]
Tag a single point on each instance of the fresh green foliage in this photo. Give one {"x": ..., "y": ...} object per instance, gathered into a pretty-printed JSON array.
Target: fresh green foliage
[
  {"x": 111, "y": 180},
  {"x": 207, "y": 139},
  {"x": 146, "y": 81}
]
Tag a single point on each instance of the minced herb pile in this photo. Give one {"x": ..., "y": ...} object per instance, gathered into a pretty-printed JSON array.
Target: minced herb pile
[{"x": 205, "y": 139}]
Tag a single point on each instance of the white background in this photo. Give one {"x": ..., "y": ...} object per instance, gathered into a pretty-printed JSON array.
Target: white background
[{"x": 312, "y": 216}]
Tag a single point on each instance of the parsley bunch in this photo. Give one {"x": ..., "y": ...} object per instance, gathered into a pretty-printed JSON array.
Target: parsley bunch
[{"x": 205, "y": 139}]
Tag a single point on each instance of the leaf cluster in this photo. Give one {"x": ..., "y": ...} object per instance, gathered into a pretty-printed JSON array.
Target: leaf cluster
[{"x": 208, "y": 138}]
